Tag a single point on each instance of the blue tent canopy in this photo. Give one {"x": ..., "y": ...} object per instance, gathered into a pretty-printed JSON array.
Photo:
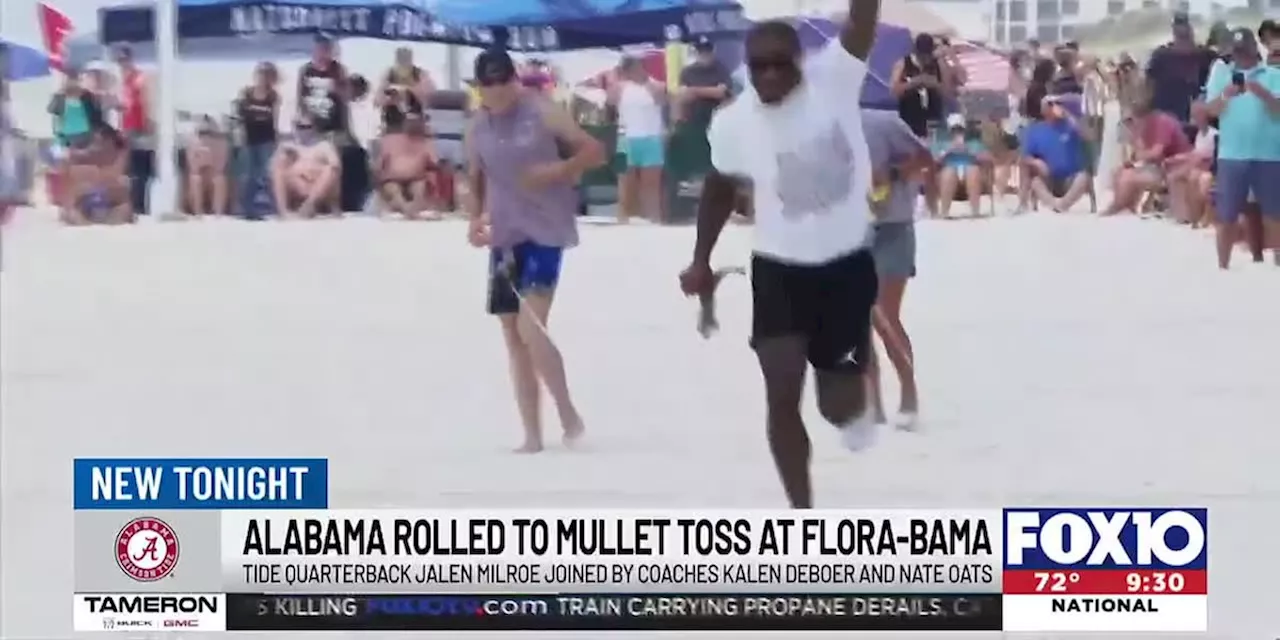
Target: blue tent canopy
[
  {"x": 22, "y": 62},
  {"x": 525, "y": 25}
]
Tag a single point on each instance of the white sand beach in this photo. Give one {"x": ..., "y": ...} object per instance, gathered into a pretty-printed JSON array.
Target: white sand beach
[{"x": 1063, "y": 361}]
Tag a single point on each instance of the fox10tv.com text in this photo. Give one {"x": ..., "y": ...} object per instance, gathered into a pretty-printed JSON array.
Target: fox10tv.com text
[{"x": 256, "y": 548}]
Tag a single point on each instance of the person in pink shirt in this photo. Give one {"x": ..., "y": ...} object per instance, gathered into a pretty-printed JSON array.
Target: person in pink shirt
[{"x": 1157, "y": 137}]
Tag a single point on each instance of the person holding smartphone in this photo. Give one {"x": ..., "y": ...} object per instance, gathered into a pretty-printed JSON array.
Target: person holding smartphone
[{"x": 1245, "y": 96}]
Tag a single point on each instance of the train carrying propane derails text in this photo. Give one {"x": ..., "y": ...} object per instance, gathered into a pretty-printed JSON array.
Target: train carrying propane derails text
[{"x": 872, "y": 548}]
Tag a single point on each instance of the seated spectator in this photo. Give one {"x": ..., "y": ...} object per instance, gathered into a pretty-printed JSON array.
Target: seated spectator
[
  {"x": 963, "y": 160},
  {"x": 306, "y": 173},
  {"x": 76, "y": 113},
  {"x": 405, "y": 90},
  {"x": 100, "y": 181},
  {"x": 1053, "y": 157},
  {"x": 1245, "y": 96},
  {"x": 1003, "y": 147},
  {"x": 1156, "y": 137},
  {"x": 207, "y": 155},
  {"x": 1190, "y": 174},
  {"x": 258, "y": 108},
  {"x": 407, "y": 171}
]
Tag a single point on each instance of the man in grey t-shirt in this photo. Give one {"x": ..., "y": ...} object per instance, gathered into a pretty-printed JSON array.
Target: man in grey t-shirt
[
  {"x": 896, "y": 155},
  {"x": 704, "y": 86}
]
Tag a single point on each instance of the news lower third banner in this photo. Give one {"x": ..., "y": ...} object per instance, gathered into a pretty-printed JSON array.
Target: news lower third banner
[{"x": 250, "y": 544}]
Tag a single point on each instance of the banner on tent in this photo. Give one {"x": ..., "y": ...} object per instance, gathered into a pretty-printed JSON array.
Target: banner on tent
[{"x": 543, "y": 33}]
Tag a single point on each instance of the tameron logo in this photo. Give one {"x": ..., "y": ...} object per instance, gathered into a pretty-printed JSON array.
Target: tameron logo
[
  {"x": 1101, "y": 537},
  {"x": 147, "y": 549}
]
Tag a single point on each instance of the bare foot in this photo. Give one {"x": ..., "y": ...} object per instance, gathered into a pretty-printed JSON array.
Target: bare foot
[
  {"x": 574, "y": 430},
  {"x": 530, "y": 446}
]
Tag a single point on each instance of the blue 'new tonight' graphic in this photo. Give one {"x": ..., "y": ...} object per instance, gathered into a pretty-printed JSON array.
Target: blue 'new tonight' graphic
[
  {"x": 1053, "y": 539},
  {"x": 435, "y": 606},
  {"x": 201, "y": 483}
]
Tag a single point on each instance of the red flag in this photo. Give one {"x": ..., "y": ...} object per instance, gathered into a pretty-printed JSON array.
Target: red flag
[{"x": 56, "y": 27}]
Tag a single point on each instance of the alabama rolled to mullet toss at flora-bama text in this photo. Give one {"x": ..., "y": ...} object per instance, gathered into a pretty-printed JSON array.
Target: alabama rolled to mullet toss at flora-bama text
[{"x": 251, "y": 544}]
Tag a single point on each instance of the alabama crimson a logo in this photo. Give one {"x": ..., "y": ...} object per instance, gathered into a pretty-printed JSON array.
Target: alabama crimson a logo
[{"x": 147, "y": 549}]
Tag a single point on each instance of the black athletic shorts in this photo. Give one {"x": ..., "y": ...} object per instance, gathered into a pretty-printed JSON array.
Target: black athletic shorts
[{"x": 828, "y": 304}]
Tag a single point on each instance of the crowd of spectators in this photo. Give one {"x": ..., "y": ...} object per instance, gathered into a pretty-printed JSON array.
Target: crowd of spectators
[
  {"x": 1198, "y": 132},
  {"x": 245, "y": 164}
]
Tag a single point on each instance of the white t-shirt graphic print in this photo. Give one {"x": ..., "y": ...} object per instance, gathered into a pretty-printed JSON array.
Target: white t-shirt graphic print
[{"x": 807, "y": 160}]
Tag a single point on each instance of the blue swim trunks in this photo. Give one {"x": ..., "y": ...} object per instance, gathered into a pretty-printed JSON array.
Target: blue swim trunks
[{"x": 526, "y": 268}]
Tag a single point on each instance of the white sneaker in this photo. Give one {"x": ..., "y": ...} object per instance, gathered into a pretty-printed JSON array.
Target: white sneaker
[{"x": 859, "y": 433}]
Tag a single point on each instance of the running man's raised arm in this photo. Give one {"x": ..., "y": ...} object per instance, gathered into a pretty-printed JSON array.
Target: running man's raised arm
[
  {"x": 859, "y": 30},
  {"x": 588, "y": 153}
]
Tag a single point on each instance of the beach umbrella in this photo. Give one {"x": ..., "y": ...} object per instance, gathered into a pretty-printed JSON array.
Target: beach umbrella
[
  {"x": 22, "y": 62},
  {"x": 522, "y": 25}
]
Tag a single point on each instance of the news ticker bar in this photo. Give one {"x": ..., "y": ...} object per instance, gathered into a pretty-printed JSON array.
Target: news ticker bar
[{"x": 604, "y": 612}]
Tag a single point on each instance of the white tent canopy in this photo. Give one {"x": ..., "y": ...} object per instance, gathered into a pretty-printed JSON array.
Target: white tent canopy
[{"x": 897, "y": 12}]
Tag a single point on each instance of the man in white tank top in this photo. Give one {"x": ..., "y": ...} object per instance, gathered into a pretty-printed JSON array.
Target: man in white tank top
[
  {"x": 640, "y": 100},
  {"x": 795, "y": 137}
]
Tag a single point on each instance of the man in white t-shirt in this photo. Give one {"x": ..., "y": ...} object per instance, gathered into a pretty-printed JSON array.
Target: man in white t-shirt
[{"x": 795, "y": 139}]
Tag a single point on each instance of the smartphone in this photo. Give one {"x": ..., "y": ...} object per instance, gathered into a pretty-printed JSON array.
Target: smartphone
[{"x": 1237, "y": 79}]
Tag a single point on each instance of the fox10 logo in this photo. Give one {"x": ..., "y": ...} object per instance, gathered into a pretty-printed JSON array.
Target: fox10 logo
[
  {"x": 147, "y": 549},
  {"x": 1106, "y": 538}
]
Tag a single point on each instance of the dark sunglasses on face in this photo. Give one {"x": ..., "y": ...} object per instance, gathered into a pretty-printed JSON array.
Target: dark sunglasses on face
[
  {"x": 764, "y": 65},
  {"x": 494, "y": 82}
]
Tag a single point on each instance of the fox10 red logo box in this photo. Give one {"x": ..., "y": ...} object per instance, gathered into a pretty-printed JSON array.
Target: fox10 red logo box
[{"x": 1109, "y": 570}]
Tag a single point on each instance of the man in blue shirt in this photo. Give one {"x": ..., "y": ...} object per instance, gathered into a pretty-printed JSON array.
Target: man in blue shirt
[
  {"x": 1245, "y": 95},
  {"x": 1053, "y": 153}
]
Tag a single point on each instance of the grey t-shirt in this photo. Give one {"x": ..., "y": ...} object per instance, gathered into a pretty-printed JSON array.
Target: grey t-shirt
[
  {"x": 705, "y": 75},
  {"x": 890, "y": 141}
]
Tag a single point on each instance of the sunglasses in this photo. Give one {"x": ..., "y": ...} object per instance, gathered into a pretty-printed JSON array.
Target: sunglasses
[
  {"x": 778, "y": 64},
  {"x": 494, "y": 81}
]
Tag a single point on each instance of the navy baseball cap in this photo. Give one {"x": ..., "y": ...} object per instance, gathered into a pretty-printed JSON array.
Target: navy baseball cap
[
  {"x": 1243, "y": 39},
  {"x": 494, "y": 67},
  {"x": 703, "y": 43}
]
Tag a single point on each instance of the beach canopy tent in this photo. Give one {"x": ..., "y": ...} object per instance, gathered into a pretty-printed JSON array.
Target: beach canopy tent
[
  {"x": 519, "y": 25},
  {"x": 23, "y": 62},
  {"x": 88, "y": 47}
]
